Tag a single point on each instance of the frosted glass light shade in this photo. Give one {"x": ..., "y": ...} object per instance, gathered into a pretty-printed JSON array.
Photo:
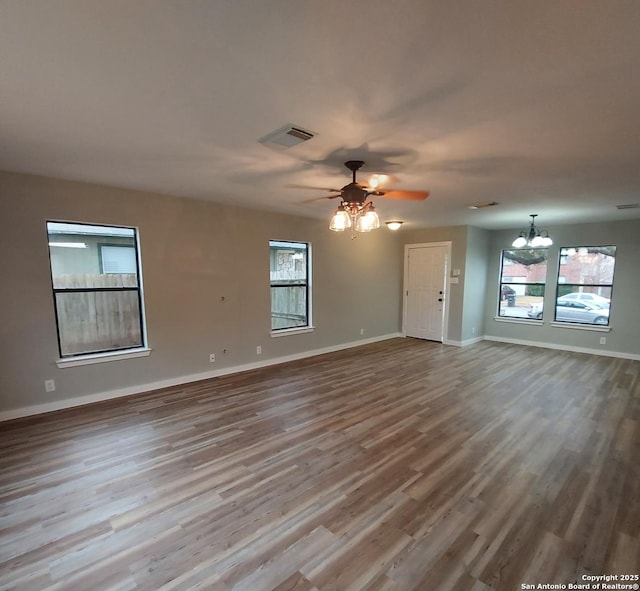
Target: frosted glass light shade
[
  {"x": 340, "y": 220},
  {"x": 519, "y": 242},
  {"x": 369, "y": 221}
]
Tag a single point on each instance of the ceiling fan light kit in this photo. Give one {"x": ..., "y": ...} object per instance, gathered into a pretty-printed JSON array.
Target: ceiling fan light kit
[
  {"x": 532, "y": 237},
  {"x": 359, "y": 218}
]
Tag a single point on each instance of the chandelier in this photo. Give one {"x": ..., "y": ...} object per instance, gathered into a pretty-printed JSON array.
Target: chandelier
[{"x": 532, "y": 236}]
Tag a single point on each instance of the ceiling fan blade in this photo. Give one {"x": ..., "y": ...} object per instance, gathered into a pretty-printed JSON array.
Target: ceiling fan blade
[
  {"x": 315, "y": 188},
  {"x": 409, "y": 195},
  {"x": 321, "y": 198}
]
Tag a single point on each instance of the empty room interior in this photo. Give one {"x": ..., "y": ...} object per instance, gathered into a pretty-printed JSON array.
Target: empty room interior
[{"x": 319, "y": 296}]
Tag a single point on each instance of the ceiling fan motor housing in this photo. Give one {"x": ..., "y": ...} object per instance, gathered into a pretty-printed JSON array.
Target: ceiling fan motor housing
[{"x": 354, "y": 193}]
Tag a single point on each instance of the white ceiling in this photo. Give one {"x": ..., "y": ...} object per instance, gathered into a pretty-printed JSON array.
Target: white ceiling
[{"x": 533, "y": 104}]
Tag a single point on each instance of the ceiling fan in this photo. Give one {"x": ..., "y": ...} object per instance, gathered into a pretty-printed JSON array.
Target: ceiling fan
[
  {"x": 356, "y": 211},
  {"x": 356, "y": 193}
]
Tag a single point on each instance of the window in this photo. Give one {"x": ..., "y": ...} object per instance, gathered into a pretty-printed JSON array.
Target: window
[
  {"x": 585, "y": 284},
  {"x": 290, "y": 284},
  {"x": 117, "y": 259},
  {"x": 96, "y": 288},
  {"x": 522, "y": 279}
]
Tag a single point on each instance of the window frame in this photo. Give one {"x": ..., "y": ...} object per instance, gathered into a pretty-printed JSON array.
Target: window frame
[
  {"x": 563, "y": 284},
  {"x": 307, "y": 285},
  {"x": 502, "y": 284},
  {"x": 100, "y": 355}
]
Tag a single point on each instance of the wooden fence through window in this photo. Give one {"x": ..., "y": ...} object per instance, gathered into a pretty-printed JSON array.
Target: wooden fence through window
[{"x": 99, "y": 320}]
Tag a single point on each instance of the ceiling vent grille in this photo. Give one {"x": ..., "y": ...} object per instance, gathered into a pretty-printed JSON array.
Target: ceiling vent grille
[
  {"x": 482, "y": 205},
  {"x": 286, "y": 136},
  {"x": 628, "y": 206}
]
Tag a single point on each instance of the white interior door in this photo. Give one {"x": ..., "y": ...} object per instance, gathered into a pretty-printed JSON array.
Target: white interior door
[{"x": 425, "y": 290}]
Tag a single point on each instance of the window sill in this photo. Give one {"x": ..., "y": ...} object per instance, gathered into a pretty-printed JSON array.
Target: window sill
[
  {"x": 291, "y": 331},
  {"x": 576, "y": 326},
  {"x": 512, "y": 320},
  {"x": 103, "y": 357}
]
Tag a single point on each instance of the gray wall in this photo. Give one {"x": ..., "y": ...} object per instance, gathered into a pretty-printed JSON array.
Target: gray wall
[
  {"x": 196, "y": 252},
  {"x": 624, "y": 336},
  {"x": 193, "y": 253},
  {"x": 475, "y": 285}
]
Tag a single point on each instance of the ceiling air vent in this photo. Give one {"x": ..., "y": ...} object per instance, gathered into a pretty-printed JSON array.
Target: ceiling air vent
[
  {"x": 286, "y": 137},
  {"x": 628, "y": 206},
  {"x": 482, "y": 205}
]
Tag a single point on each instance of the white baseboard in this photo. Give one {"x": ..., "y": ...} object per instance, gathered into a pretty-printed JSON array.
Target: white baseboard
[
  {"x": 137, "y": 389},
  {"x": 464, "y": 343},
  {"x": 600, "y": 352}
]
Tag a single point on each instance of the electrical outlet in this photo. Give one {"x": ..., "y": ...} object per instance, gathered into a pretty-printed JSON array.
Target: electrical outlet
[
  {"x": 258, "y": 350},
  {"x": 49, "y": 385},
  {"x": 603, "y": 340},
  {"x": 362, "y": 331},
  {"x": 212, "y": 357}
]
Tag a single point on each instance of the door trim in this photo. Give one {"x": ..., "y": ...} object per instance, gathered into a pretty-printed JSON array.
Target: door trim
[{"x": 447, "y": 272}]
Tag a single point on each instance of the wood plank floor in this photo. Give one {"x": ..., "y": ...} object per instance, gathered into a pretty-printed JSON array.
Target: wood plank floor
[{"x": 402, "y": 465}]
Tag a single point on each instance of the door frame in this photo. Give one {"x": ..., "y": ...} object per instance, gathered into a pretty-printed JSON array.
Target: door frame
[{"x": 405, "y": 284}]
